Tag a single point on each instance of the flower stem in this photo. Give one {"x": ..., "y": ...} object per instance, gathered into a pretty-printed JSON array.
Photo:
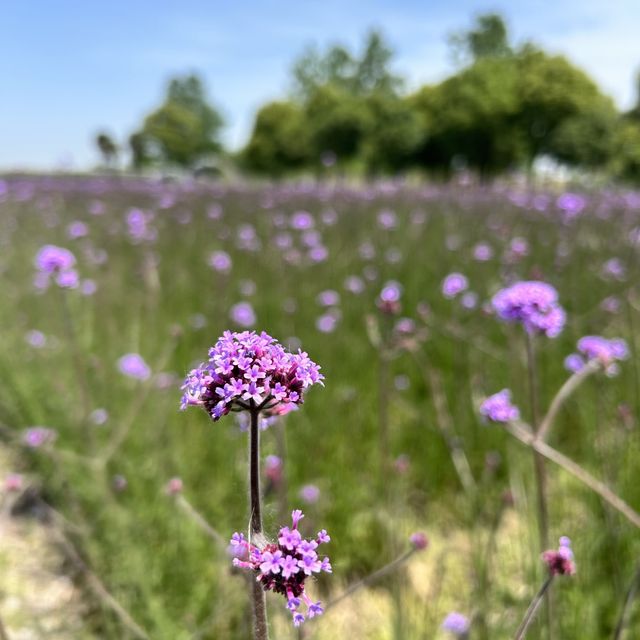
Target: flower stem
[
  {"x": 529, "y": 616},
  {"x": 371, "y": 578},
  {"x": 538, "y": 460},
  {"x": 522, "y": 433},
  {"x": 629, "y": 597},
  {"x": 539, "y": 468},
  {"x": 260, "y": 627}
]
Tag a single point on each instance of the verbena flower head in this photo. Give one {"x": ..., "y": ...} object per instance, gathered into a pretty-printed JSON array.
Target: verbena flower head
[
  {"x": 284, "y": 567},
  {"x": 134, "y": 366},
  {"x": 419, "y": 540},
  {"x": 532, "y": 303},
  {"x": 498, "y": 407},
  {"x": 454, "y": 284},
  {"x": 249, "y": 371},
  {"x": 56, "y": 263},
  {"x": 606, "y": 351},
  {"x": 35, "y": 437},
  {"x": 389, "y": 298},
  {"x": 560, "y": 562},
  {"x": 456, "y": 623},
  {"x": 52, "y": 259}
]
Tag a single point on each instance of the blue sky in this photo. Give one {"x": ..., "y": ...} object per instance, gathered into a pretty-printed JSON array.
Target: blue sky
[{"x": 72, "y": 68}]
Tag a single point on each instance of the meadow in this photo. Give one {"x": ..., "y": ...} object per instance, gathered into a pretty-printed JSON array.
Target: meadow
[{"x": 392, "y": 445}]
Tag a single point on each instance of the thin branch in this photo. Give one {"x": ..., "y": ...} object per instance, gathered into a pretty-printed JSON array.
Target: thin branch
[
  {"x": 565, "y": 392},
  {"x": 631, "y": 593},
  {"x": 529, "y": 616},
  {"x": 370, "y": 579},
  {"x": 97, "y": 587},
  {"x": 523, "y": 433},
  {"x": 197, "y": 517}
]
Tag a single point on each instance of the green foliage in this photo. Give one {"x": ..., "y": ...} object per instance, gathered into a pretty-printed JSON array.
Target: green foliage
[
  {"x": 280, "y": 140},
  {"x": 337, "y": 122},
  {"x": 488, "y": 38},
  {"x": 469, "y": 118},
  {"x": 107, "y": 147},
  {"x": 350, "y": 73},
  {"x": 625, "y": 161},
  {"x": 551, "y": 91},
  {"x": 183, "y": 130},
  {"x": 586, "y": 139}
]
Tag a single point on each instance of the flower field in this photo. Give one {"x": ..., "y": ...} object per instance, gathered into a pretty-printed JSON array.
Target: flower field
[{"x": 476, "y": 404}]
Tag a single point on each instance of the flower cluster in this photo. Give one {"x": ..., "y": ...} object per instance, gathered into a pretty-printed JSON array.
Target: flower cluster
[
  {"x": 454, "y": 284},
  {"x": 598, "y": 348},
  {"x": 284, "y": 567},
  {"x": 560, "y": 561},
  {"x": 57, "y": 263},
  {"x": 249, "y": 371},
  {"x": 534, "y": 304},
  {"x": 456, "y": 623},
  {"x": 498, "y": 407}
]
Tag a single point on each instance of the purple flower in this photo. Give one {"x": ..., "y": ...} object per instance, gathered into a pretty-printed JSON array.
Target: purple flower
[
  {"x": 419, "y": 540},
  {"x": 13, "y": 482},
  {"x": 302, "y": 220},
  {"x": 309, "y": 493},
  {"x": 35, "y": 437},
  {"x": 77, "y": 229},
  {"x": 243, "y": 314},
  {"x": 99, "y": 416},
  {"x": 456, "y": 623},
  {"x": 328, "y": 298},
  {"x": 454, "y": 284},
  {"x": 134, "y": 366},
  {"x": 532, "y": 303},
  {"x": 571, "y": 204},
  {"x": 271, "y": 376},
  {"x": 36, "y": 338},
  {"x": 606, "y": 351},
  {"x": 284, "y": 567},
  {"x": 173, "y": 487},
  {"x": 389, "y": 298},
  {"x": 51, "y": 259},
  {"x": 327, "y": 323},
  {"x": 560, "y": 562},
  {"x": 498, "y": 408},
  {"x": 220, "y": 261},
  {"x": 482, "y": 252}
]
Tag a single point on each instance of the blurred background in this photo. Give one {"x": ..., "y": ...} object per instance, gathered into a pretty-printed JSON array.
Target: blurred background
[
  {"x": 358, "y": 180},
  {"x": 275, "y": 88}
]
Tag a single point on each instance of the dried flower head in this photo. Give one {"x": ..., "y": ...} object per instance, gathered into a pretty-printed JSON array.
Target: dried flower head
[
  {"x": 285, "y": 566},
  {"x": 249, "y": 371}
]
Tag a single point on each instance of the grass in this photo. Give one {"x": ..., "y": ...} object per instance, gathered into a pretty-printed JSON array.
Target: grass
[{"x": 159, "y": 298}]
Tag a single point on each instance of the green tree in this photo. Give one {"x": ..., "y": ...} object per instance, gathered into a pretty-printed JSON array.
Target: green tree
[
  {"x": 392, "y": 134},
  {"x": 469, "y": 119},
  {"x": 280, "y": 140},
  {"x": 552, "y": 91},
  {"x": 588, "y": 138},
  {"x": 625, "y": 162},
  {"x": 488, "y": 38},
  {"x": 185, "y": 129},
  {"x": 337, "y": 122},
  {"x": 108, "y": 148},
  {"x": 139, "y": 152},
  {"x": 353, "y": 74}
]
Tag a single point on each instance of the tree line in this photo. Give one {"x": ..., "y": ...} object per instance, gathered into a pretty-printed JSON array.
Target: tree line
[{"x": 347, "y": 111}]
